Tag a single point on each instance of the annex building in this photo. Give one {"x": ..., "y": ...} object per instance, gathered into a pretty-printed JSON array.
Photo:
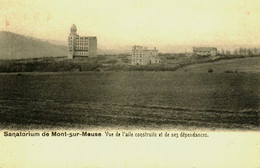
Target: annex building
[
  {"x": 143, "y": 56},
  {"x": 205, "y": 51},
  {"x": 81, "y": 46}
]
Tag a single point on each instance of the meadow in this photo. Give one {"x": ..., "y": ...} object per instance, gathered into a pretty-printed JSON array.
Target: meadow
[
  {"x": 130, "y": 100},
  {"x": 245, "y": 65}
]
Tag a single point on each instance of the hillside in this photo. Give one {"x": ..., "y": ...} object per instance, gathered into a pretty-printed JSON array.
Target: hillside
[
  {"x": 249, "y": 64},
  {"x": 15, "y": 46}
]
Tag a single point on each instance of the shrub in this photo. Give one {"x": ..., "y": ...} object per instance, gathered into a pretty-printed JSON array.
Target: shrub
[
  {"x": 210, "y": 70},
  {"x": 228, "y": 71}
]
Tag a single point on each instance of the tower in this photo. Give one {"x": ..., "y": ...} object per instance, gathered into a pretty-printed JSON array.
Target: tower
[
  {"x": 73, "y": 29},
  {"x": 72, "y": 40}
]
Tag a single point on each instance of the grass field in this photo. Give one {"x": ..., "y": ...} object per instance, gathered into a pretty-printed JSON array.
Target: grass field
[
  {"x": 150, "y": 100},
  {"x": 249, "y": 65}
]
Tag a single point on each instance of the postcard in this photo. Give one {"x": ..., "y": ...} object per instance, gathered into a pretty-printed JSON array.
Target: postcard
[{"x": 129, "y": 83}]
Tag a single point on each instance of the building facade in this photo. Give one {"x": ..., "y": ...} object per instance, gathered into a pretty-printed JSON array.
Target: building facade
[
  {"x": 81, "y": 46},
  {"x": 143, "y": 56},
  {"x": 205, "y": 51}
]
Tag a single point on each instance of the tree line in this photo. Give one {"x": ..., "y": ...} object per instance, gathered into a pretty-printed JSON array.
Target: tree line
[{"x": 241, "y": 52}]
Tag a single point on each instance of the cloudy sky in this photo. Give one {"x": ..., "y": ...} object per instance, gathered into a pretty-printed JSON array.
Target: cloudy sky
[{"x": 158, "y": 23}]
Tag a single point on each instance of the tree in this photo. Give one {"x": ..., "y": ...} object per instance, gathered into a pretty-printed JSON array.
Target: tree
[
  {"x": 249, "y": 52},
  {"x": 228, "y": 52},
  {"x": 235, "y": 52},
  {"x": 242, "y": 51},
  {"x": 222, "y": 52}
]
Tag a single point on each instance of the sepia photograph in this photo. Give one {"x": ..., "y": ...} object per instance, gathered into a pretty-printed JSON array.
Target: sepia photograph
[{"x": 141, "y": 69}]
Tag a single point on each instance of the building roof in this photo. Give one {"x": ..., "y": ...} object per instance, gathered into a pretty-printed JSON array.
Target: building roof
[
  {"x": 87, "y": 37},
  {"x": 203, "y": 49},
  {"x": 136, "y": 47}
]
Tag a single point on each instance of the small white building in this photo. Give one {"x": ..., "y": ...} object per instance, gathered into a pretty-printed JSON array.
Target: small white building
[
  {"x": 143, "y": 56},
  {"x": 81, "y": 46},
  {"x": 205, "y": 51}
]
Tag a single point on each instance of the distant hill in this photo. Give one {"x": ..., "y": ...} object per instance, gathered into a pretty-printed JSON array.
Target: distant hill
[{"x": 16, "y": 46}]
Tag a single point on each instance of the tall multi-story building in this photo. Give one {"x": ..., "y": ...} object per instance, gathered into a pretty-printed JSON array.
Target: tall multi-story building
[
  {"x": 81, "y": 46},
  {"x": 205, "y": 51},
  {"x": 143, "y": 56}
]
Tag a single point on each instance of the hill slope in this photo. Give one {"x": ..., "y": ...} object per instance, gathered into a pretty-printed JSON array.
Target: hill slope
[
  {"x": 15, "y": 46},
  {"x": 249, "y": 64}
]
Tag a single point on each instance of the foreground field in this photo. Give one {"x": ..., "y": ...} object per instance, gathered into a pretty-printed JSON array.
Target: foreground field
[{"x": 150, "y": 100}]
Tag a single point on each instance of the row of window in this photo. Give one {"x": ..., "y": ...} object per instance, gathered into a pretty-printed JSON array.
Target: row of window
[
  {"x": 81, "y": 48},
  {"x": 81, "y": 43},
  {"x": 70, "y": 43},
  {"x": 82, "y": 53},
  {"x": 82, "y": 38}
]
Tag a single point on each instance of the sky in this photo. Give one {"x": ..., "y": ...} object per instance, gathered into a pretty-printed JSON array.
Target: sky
[{"x": 160, "y": 23}]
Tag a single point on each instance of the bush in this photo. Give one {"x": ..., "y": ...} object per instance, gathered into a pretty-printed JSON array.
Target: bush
[
  {"x": 210, "y": 70},
  {"x": 228, "y": 71},
  {"x": 86, "y": 66}
]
